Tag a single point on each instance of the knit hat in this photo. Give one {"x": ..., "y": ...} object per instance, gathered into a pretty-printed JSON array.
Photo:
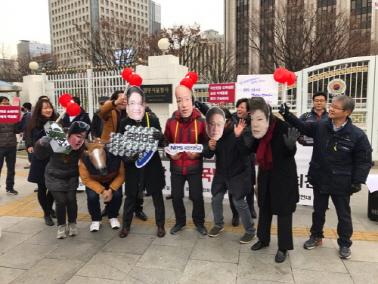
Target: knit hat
[{"x": 78, "y": 127}]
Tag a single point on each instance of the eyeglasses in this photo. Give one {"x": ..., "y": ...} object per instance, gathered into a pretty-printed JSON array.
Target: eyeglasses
[
  {"x": 83, "y": 125},
  {"x": 319, "y": 101},
  {"x": 336, "y": 107},
  {"x": 135, "y": 104},
  {"x": 214, "y": 125}
]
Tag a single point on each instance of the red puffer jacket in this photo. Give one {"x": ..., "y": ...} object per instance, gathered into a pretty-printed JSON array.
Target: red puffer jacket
[{"x": 186, "y": 134}]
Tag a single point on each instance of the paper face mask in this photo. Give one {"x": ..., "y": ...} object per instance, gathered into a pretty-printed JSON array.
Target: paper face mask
[
  {"x": 215, "y": 120},
  {"x": 259, "y": 124},
  {"x": 135, "y": 107}
]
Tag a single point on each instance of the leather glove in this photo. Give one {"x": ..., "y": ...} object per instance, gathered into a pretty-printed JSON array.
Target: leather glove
[
  {"x": 291, "y": 138},
  {"x": 283, "y": 109},
  {"x": 354, "y": 188},
  {"x": 301, "y": 140},
  {"x": 131, "y": 159},
  {"x": 45, "y": 140},
  {"x": 157, "y": 135}
]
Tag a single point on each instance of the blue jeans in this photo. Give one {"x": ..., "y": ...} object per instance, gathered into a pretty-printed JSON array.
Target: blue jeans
[
  {"x": 93, "y": 201},
  {"x": 240, "y": 205}
]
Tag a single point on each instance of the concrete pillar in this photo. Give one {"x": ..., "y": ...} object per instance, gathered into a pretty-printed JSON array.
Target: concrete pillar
[
  {"x": 32, "y": 89},
  {"x": 163, "y": 69}
]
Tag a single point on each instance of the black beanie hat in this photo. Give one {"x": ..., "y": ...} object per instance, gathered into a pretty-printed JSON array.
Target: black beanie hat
[{"x": 78, "y": 127}]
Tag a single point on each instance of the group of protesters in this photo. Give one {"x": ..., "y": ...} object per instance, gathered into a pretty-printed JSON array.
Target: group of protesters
[{"x": 340, "y": 163}]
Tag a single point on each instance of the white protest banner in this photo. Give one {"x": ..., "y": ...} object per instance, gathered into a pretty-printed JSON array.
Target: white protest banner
[
  {"x": 302, "y": 158},
  {"x": 264, "y": 86},
  {"x": 177, "y": 148}
]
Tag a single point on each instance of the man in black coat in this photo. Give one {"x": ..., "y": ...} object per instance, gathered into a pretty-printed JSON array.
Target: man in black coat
[
  {"x": 82, "y": 116},
  {"x": 340, "y": 163},
  {"x": 97, "y": 122}
]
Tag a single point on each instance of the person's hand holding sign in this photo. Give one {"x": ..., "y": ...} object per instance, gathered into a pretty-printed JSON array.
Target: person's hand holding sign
[
  {"x": 212, "y": 144},
  {"x": 192, "y": 155},
  {"x": 176, "y": 156},
  {"x": 239, "y": 129}
]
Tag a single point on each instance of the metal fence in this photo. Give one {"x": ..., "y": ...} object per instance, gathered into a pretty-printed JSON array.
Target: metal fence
[{"x": 359, "y": 74}]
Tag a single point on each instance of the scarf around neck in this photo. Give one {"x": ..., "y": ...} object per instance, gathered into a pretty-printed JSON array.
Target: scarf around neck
[{"x": 264, "y": 151}]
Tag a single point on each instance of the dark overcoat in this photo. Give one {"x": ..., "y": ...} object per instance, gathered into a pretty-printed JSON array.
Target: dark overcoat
[
  {"x": 154, "y": 179},
  {"x": 37, "y": 167},
  {"x": 233, "y": 165},
  {"x": 281, "y": 182}
]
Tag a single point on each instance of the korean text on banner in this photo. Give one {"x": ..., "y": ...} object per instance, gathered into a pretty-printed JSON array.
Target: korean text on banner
[
  {"x": 9, "y": 114},
  {"x": 264, "y": 86},
  {"x": 222, "y": 93}
]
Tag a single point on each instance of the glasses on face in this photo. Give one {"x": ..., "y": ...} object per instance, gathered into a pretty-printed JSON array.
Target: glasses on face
[
  {"x": 216, "y": 125},
  {"x": 319, "y": 101},
  {"x": 135, "y": 104},
  {"x": 335, "y": 107}
]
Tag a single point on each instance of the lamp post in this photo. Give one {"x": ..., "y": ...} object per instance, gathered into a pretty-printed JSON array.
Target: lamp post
[
  {"x": 34, "y": 67},
  {"x": 163, "y": 45}
]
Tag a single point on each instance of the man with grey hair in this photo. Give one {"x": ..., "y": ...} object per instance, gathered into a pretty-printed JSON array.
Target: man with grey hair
[{"x": 340, "y": 163}]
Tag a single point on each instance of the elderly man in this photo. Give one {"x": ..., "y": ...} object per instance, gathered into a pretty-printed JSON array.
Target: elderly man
[
  {"x": 186, "y": 127},
  {"x": 340, "y": 163}
]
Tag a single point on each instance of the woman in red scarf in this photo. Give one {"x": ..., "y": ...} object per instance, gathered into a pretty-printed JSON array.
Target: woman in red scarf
[{"x": 278, "y": 192}]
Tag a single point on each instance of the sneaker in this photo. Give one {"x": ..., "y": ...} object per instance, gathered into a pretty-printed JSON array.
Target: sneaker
[
  {"x": 312, "y": 242},
  {"x": 95, "y": 226},
  {"x": 61, "y": 232},
  {"x": 177, "y": 228},
  {"x": 247, "y": 238},
  {"x": 49, "y": 221},
  {"x": 201, "y": 229},
  {"x": 72, "y": 229},
  {"x": 114, "y": 223},
  {"x": 345, "y": 253},
  {"x": 12, "y": 192},
  {"x": 214, "y": 232}
]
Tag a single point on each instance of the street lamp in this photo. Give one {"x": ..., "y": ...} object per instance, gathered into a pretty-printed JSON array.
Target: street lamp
[
  {"x": 34, "y": 67},
  {"x": 163, "y": 45}
]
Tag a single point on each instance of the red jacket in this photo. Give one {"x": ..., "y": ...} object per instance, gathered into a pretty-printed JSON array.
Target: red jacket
[{"x": 186, "y": 134}]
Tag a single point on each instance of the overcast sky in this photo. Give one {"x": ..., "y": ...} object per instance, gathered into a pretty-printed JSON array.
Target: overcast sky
[{"x": 29, "y": 19}]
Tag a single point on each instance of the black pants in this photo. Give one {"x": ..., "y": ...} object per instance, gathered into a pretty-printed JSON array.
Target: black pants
[
  {"x": 249, "y": 199},
  {"x": 65, "y": 202},
  {"x": 284, "y": 227},
  {"x": 344, "y": 226},
  {"x": 138, "y": 203},
  {"x": 45, "y": 198},
  {"x": 195, "y": 195},
  {"x": 130, "y": 202},
  {"x": 9, "y": 154}
]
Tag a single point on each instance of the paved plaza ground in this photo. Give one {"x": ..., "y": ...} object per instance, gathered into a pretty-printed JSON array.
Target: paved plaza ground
[{"x": 30, "y": 252}]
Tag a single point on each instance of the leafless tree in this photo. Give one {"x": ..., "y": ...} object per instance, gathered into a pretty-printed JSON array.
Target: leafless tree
[
  {"x": 219, "y": 64},
  {"x": 99, "y": 45},
  {"x": 295, "y": 38}
]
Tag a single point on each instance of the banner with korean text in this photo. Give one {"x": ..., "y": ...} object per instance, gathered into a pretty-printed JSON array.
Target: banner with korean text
[
  {"x": 264, "y": 86},
  {"x": 222, "y": 93},
  {"x": 9, "y": 114}
]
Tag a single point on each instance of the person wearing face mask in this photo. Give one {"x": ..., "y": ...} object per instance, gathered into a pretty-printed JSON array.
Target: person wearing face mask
[
  {"x": 112, "y": 112},
  {"x": 233, "y": 173},
  {"x": 62, "y": 175},
  {"x": 43, "y": 112},
  {"x": 275, "y": 146},
  {"x": 186, "y": 127},
  {"x": 243, "y": 112},
  {"x": 151, "y": 175}
]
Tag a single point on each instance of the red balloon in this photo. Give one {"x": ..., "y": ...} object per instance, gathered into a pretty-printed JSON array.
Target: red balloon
[
  {"x": 193, "y": 76},
  {"x": 292, "y": 78},
  {"x": 187, "y": 82},
  {"x": 135, "y": 80},
  {"x": 73, "y": 109},
  {"x": 65, "y": 99},
  {"x": 126, "y": 73},
  {"x": 280, "y": 75}
]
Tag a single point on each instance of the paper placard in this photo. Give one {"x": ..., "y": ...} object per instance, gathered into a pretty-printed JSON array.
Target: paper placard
[{"x": 264, "y": 86}]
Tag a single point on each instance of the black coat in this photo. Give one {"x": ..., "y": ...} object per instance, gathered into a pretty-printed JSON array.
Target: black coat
[
  {"x": 37, "y": 167},
  {"x": 59, "y": 175},
  {"x": 97, "y": 125},
  {"x": 82, "y": 116},
  {"x": 339, "y": 158},
  {"x": 233, "y": 165},
  {"x": 281, "y": 182},
  {"x": 154, "y": 179}
]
